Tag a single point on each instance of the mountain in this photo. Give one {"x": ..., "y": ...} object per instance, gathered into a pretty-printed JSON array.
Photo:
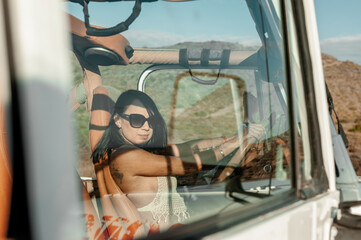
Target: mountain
[
  {"x": 344, "y": 82},
  {"x": 214, "y": 45}
]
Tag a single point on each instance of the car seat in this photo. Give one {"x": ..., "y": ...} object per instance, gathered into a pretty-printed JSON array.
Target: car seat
[
  {"x": 118, "y": 217},
  {"x": 118, "y": 212}
]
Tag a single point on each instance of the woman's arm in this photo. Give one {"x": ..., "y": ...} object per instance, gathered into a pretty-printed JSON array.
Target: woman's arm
[
  {"x": 99, "y": 115},
  {"x": 212, "y": 142},
  {"x": 138, "y": 162}
]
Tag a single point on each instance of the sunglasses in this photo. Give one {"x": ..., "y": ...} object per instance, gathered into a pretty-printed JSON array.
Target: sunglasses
[{"x": 138, "y": 120}]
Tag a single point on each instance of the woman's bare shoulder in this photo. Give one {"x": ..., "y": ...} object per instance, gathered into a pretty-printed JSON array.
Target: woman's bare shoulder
[{"x": 127, "y": 154}]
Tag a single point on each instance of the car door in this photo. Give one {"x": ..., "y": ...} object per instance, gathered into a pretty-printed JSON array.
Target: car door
[{"x": 288, "y": 194}]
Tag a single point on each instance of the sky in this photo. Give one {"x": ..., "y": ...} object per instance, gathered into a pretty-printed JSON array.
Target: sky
[
  {"x": 338, "y": 22},
  {"x": 339, "y": 28},
  {"x": 179, "y": 22}
]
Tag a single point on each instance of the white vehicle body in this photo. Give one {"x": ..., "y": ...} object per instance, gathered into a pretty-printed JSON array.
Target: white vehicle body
[{"x": 35, "y": 76}]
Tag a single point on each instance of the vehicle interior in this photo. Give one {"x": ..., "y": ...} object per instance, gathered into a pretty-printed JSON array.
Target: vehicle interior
[
  {"x": 220, "y": 73},
  {"x": 203, "y": 89}
]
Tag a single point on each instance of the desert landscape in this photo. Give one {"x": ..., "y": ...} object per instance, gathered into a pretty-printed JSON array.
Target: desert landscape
[{"x": 343, "y": 80}]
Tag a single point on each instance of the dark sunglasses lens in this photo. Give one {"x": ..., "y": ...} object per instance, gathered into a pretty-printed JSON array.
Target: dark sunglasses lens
[
  {"x": 151, "y": 122},
  {"x": 136, "y": 120}
]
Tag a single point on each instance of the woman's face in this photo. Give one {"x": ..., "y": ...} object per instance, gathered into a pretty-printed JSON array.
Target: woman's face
[{"x": 131, "y": 134}]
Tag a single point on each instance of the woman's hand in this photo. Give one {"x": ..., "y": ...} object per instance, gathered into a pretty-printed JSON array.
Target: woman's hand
[
  {"x": 251, "y": 138},
  {"x": 256, "y": 132}
]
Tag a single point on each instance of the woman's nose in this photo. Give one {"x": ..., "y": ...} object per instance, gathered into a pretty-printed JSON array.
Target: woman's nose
[{"x": 146, "y": 126}]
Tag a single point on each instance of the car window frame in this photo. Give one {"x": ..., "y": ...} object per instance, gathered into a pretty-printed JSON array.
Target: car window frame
[{"x": 293, "y": 197}]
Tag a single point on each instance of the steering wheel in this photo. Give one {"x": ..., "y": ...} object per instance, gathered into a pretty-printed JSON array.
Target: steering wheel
[
  {"x": 245, "y": 154},
  {"x": 252, "y": 144}
]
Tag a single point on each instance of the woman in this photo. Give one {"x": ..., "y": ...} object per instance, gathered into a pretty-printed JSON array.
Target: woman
[{"x": 142, "y": 163}]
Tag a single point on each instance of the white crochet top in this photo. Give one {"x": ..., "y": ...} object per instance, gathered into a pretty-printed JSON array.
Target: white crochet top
[{"x": 166, "y": 196}]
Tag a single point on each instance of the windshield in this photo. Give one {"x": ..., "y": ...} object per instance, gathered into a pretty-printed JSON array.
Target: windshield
[{"x": 212, "y": 133}]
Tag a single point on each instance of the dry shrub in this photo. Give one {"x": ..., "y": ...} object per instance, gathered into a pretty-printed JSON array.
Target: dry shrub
[{"x": 356, "y": 128}]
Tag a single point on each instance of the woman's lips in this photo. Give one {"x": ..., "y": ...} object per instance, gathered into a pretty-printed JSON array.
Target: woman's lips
[{"x": 144, "y": 136}]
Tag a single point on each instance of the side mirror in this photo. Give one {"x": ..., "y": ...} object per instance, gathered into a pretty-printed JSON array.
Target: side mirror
[{"x": 349, "y": 214}]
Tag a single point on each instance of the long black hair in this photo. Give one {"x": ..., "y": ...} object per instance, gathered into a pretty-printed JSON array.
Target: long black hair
[{"x": 112, "y": 139}]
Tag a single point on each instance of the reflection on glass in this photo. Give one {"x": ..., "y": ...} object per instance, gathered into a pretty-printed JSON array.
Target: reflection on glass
[{"x": 208, "y": 133}]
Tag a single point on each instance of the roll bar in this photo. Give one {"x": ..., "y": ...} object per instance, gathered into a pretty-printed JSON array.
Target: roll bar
[{"x": 121, "y": 27}]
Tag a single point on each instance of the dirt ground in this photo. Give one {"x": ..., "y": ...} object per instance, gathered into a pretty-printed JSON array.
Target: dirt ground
[{"x": 344, "y": 82}]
